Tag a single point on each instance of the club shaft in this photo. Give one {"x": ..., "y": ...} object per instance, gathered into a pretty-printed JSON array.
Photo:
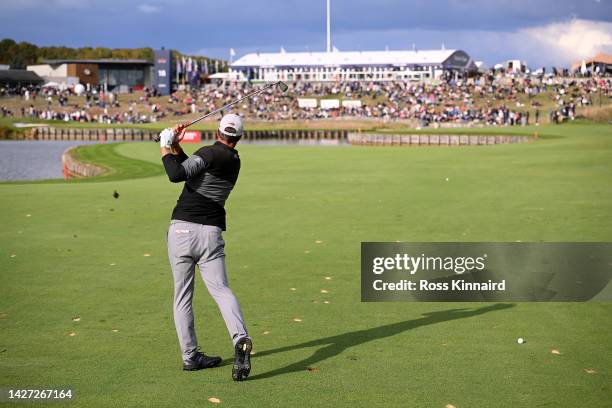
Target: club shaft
[
  {"x": 228, "y": 105},
  {"x": 232, "y": 103}
]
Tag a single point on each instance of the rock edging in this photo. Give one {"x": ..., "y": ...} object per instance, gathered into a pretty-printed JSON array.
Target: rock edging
[{"x": 76, "y": 169}]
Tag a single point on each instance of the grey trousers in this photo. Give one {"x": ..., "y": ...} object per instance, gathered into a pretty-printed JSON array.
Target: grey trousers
[{"x": 190, "y": 244}]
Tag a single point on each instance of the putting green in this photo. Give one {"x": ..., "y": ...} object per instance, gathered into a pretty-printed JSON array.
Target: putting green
[{"x": 296, "y": 218}]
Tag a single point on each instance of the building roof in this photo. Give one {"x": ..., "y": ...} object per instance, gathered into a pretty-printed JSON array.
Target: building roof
[
  {"x": 600, "y": 58},
  {"x": 97, "y": 61},
  {"x": 344, "y": 58},
  {"x": 19, "y": 75}
]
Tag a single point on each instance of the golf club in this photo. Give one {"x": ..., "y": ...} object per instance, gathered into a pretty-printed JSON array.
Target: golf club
[{"x": 281, "y": 85}]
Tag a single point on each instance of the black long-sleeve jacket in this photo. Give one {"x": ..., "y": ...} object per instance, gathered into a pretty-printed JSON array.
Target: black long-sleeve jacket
[{"x": 209, "y": 174}]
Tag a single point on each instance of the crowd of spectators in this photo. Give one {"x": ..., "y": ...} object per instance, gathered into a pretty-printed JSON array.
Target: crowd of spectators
[{"x": 476, "y": 101}]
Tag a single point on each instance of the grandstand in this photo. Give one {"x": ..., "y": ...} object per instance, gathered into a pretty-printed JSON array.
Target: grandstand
[{"x": 350, "y": 66}]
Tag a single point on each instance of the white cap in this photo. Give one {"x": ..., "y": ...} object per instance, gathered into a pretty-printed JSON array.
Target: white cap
[{"x": 233, "y": 121}]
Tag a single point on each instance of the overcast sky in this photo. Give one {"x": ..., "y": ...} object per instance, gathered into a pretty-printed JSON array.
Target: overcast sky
[{"x": 542, "y": 32}]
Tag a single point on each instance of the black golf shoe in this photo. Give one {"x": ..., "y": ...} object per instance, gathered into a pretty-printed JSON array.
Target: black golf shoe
[
  {"x": 242, "y": 359},
  {"x": 199, "y": 361}
]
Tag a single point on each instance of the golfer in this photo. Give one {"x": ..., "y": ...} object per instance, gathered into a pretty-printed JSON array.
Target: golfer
[{"x": 195, "y": 237}]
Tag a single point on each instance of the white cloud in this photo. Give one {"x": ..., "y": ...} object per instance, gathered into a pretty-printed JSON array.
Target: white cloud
[
  {"x": 565, "y": 42},
  {"x": 149, "y": 8},
  {"x": 559, "y": 44}
]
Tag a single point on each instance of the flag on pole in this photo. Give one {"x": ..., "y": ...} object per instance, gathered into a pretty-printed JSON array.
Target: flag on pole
[
  {"x": 178, "y": 68},
  {"x": 183, "y": 69}
]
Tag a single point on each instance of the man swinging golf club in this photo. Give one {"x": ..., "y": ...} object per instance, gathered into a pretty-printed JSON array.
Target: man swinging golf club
[{"x": 195, "y": 237}]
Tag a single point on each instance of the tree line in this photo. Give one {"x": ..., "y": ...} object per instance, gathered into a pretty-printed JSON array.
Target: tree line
[{"x": 19, "y": 55}]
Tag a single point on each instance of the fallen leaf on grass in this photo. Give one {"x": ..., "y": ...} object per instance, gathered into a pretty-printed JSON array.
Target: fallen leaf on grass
[
  {"x": 292, "y": 289},
  {"x": 590, "y": 371},
  {"x": 450, "y": 406},
  {"x": 214, "y": 400},
  {"x": 318, "y": 241},
  {"x": 555, "y": 351},
  {"x": 307, "y": 251},
  {"x": 323, "y": 291},
  {"x": 13, "y": 255},
  {"x": 72, "y": 334},
  {"x": 326, "y": 302},
  {"x": 147, "y": 254},
  {"x": 76, "y": 319},
  {"x": 115, "y": 330},
  {"x": 266, "y": 332},
  {"x": 297, "y": 319},
  {"x": 312, "y": 369},
  {"x": 328, "y": 278},
  {"x": 28, "y": 215},
  {"x": 113, "y": 264}
]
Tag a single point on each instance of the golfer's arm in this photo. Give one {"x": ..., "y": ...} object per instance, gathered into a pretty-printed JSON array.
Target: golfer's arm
[
  {"x": 176, "y": 150},
  {"x": 179, "y": 167},
  {"x": 174, "y": 169}
]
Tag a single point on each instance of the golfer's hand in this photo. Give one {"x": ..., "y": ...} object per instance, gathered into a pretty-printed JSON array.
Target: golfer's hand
[
  {"x": 166, "y": 138},
  {"x": 179, "y": 131}
]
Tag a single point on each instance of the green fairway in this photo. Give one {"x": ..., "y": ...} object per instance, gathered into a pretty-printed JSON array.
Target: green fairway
[{"x": 296, "y": 218}]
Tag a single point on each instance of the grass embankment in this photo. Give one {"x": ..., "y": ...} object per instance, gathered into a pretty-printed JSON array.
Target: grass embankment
[
  {"x": 546, "y": 100},
  {"x": 296, "y": 218}
]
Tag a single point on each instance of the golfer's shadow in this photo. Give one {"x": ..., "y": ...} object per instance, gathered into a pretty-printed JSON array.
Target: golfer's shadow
[{"x": 335, "y": 345}]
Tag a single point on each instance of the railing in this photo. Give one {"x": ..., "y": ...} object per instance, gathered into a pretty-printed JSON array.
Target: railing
[
  {"x": 387, "y": 139},
  {"x": 129, "y": 134}
]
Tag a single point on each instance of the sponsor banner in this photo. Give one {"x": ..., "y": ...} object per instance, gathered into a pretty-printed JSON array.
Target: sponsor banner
[
  {"x": 330, "y": 103},
  {"x": 351, "y": 103},
  {"x": 307, "y": 102},
  {"x": 486, "y": 272},
  {"x": 163, "y": 72},
  {"x": 192, "y": 136}
]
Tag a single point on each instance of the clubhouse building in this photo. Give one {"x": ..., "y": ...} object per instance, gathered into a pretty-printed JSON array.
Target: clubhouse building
[
  {"x": 109, "y": 72},
  {"x": 351, "y": 66}
]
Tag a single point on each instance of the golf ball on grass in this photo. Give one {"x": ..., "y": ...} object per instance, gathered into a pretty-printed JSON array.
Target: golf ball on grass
[{"x": 520, "y": 340}]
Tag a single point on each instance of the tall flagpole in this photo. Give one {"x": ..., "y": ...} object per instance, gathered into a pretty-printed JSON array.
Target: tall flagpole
[{"x": 328, "y": 26}]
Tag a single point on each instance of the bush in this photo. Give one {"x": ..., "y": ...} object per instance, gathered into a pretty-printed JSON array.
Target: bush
[
  {"x": 597, "y": 114},
  {"x": 9, "y": 133}
]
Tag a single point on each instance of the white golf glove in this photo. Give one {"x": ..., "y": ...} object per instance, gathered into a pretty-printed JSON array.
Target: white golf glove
[{"x": 166, "y": 138}]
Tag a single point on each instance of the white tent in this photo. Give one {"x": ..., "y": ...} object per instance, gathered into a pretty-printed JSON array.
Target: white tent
[
  {"x": 583, "y": 68},
  {"x": 51, "y": 84}
]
